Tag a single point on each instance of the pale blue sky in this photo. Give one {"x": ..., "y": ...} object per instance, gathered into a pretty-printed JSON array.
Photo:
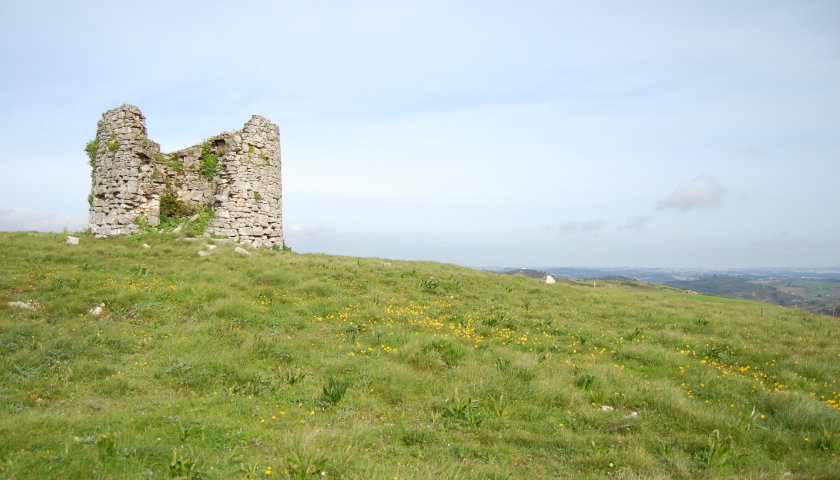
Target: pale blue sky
[{"x": 597, "y": 133}]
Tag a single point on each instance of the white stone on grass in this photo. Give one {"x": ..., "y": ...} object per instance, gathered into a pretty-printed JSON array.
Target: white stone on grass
[
  {"x": 202, "y": 253},
  {"x": 550, "y": 280},
  {"x": 241, "y": 251},
  {"x": 71, "y": 240},
  {"x": 28, "y": 305}
]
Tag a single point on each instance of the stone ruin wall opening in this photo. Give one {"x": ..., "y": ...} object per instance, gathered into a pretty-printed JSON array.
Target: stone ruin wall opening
[{"x": 235, "y": 175}]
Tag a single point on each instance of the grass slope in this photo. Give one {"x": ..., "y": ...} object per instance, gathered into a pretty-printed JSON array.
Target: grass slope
[{"x": 278, "y": 365}]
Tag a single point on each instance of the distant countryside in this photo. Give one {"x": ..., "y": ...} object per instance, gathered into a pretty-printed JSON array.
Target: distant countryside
[{"x": 815, "y": 291}]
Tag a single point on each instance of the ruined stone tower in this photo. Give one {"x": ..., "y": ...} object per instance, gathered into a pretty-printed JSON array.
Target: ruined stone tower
[{"x": 230, "y": 182}]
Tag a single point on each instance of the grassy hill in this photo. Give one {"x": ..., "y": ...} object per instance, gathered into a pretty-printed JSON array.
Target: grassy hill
[{"x": 279, "y": 365}]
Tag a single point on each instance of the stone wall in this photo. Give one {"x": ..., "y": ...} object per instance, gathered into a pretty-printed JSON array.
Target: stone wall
[{"x": 233, "y": 176}]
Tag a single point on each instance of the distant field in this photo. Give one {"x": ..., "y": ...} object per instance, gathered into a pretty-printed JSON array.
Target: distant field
[
  {"x": 813, "y": 289},
  {"x": 280, "y": 365},
  {"x": 794, "y": 290}
]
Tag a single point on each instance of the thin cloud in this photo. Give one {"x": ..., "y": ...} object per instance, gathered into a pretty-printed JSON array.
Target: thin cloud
[
  {"x": 584, "y": 227},
  {"x": 703, "y": 191},
  {"x": 636, "y": 223}
]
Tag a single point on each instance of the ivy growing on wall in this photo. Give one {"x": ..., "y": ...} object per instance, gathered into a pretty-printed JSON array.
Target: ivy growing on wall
[
  {"x": 91, "y": 148},
  {"x": 209, "y": 161}
]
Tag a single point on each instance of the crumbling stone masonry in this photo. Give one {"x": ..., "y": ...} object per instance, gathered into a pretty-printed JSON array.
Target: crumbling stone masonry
[{"x": 234, "y": 178}]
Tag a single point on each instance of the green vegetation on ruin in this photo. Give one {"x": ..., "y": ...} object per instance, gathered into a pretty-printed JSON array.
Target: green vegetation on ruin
[
  {"x": 282, "y": 365},
  {"x": 175, "y": 213},
  {"x": 197, "y": 226},
  {"x": 90, "y": 149},
  {"x": 113, "y": 143},
  {"x": 209, "y": 161},
  {"x": 172, "y": 160}
]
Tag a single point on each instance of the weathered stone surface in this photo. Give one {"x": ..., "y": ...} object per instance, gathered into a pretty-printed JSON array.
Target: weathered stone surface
[
  {"x": 241, "y": 251},
  {"x": 71, "y": 240},
  {"x": 131, "y": 176}
]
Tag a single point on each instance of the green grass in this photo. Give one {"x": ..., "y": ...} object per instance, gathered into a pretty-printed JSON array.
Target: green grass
[{"x": 280, "y": 365}]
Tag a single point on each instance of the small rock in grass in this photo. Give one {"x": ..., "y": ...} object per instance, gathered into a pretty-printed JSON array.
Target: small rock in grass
[
  {"x": 210, "y": 247},
  {"x": 71, "y": 240},
  {"x": 386, "y": 264},
  {"x": 632, "y": 415},
  {"x": 97, "y": 310},
  {"x": 241, "y": 251},
  {"x": 28, "y": 305},
  {"x": 550, "y": 280},
  {"x": 202, "y": 253},
  {"x": 146, "y": 246},
  {"x": 606, "y": 408}
]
